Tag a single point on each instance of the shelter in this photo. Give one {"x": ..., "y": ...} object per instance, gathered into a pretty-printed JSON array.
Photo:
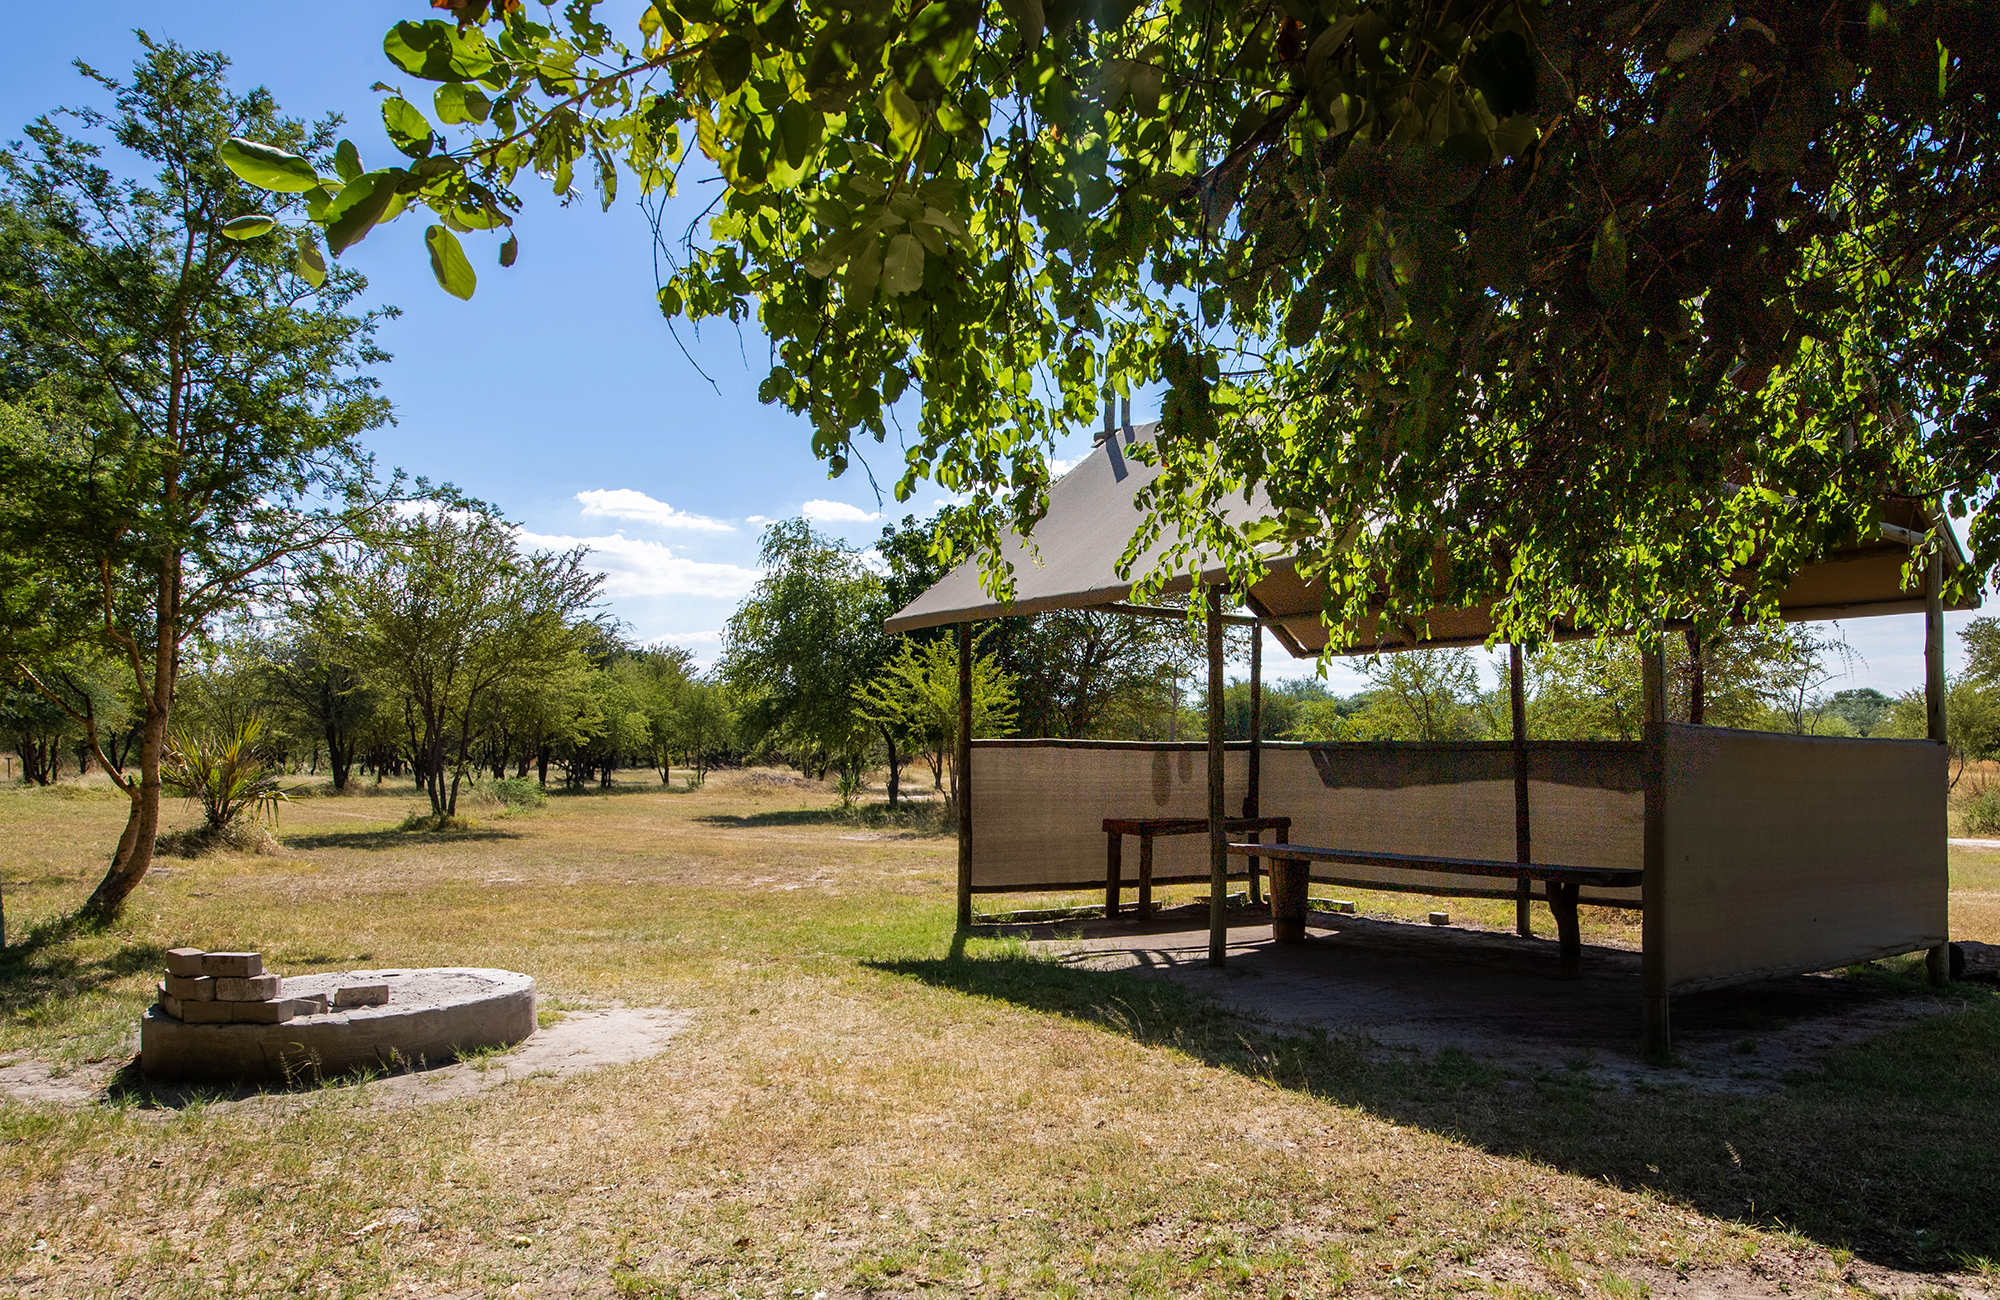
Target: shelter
[{"x": 1750, "y": 854}]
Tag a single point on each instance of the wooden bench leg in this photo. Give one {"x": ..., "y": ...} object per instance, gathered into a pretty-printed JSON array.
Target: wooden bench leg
[
  {"x": 1255, "y": 865},
  {"x": 1114, "y": 884},
  {"x": 1289, "y": 878},
  {"x": 1562, "y": 904},
  {"x": 1145, "y": 877}
]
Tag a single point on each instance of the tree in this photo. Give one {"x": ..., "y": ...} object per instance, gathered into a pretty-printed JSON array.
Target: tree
[
  {"x": 305, "y": 678},
  {"x": 703, "y": 726},
  {"x": 1861, "y": 708},
  {"x": 1283, "y": 708},
  {"x": 200, "y": 398},
  {"x": 807, "y": 637},
  {"x": 1072, "y": 668},
  {"x": 1971, "y": 723},
  {"x": 915, "y": 697},
  {"x": 1588, "y": 310},
  {"x": 1420, "y": 695},
  {"x": 444, "y": 609}
]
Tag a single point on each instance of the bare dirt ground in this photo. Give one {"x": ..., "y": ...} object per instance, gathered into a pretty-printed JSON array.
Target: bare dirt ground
[
  {"x": 579, "y": 1041},
  {"x": 1405, "y": 988}
]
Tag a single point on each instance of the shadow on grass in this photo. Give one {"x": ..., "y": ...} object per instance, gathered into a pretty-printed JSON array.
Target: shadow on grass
[
  {"x": 130, "y": 1086},
  {"x": 393, "y": 838},
  {"x": 1889, "y": 1149},
  {"x": 918, "y": 819},
  {"x": 44, "y": 967}
]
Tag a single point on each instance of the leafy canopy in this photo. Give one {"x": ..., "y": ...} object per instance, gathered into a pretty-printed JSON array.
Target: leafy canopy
[{"x": 1586, "y": 307}]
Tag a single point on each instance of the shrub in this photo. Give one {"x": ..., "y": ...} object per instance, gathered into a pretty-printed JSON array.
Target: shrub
[
  {"x": 224, "y": 774},
  {"x": 1980, "y": 810},
  {"x": 519, "y": 793}
]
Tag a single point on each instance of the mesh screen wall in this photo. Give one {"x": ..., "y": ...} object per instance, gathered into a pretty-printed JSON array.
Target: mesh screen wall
[
  {"x": 1038, "y": 807},
  {"x": 1784, "y": 854}
]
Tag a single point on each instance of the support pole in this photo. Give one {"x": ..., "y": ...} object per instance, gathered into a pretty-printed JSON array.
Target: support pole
[
  {"x": 1251, "y": 799},
  {"x": 1218, "y": 836},
  {"x": 1523, "y": 844},
  {"x": 1657, "y": 1041},
  {"x": 962, "y": 770},
  {"x": 1937, "y": 962}
]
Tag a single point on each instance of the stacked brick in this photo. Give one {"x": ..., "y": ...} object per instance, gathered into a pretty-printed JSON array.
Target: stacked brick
[{"x": 232, "y": 988}]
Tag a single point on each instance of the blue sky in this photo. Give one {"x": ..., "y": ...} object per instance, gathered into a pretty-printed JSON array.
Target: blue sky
[{"x": 558, "y": 392}]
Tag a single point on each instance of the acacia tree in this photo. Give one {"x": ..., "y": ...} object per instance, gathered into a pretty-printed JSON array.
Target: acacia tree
[
  {"x": 915, "y": 698},
  {"x": 304, "y": 674},
  {"x": 444, "y": 610},
  {"x": 201, "y": 397},
  {"x": 1591, "y": 309}
]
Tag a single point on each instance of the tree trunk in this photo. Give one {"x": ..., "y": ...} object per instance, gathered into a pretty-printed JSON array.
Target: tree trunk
[
  {"x": 542, "y": 766},
  {"x": 895, "y": 788},
  {"x": 135, "y": 846}
]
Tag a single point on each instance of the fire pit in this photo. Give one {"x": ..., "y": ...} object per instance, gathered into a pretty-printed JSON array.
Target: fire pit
[{"x": 249, "y": 1027}]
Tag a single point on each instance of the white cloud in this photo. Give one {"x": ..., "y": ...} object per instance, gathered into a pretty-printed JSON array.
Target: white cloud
[
  {"x": 635, "y": 567},
  {"x": 758, "y": 520},
  {"x": 627, "y": 503},
  {"x": 837, "y": 512},
  {"x": 689, "y": 638},
  {"x": 1061, "y": 465}
]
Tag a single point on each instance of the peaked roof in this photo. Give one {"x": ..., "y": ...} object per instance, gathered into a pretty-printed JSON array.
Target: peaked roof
[{"x": 1071, "y": 562}]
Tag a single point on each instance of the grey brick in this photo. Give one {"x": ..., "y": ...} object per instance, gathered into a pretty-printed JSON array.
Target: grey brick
[
  {"x": 200, "y": 988},
  {"x": 237, "y": 965},
  {"x": 185, "y": 962},
  {"x": 362, "y": 995},
  {"x": 252, "y": 988}
]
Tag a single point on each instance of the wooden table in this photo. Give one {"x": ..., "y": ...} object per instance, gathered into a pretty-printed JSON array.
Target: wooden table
[
  {"x": 1288, "y": 888},
  {"x": 1150, "y": 828}
]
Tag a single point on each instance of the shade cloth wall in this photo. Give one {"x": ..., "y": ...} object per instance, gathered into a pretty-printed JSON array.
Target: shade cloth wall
[
  {"x": 1784, "y": 854},
  {"x": 1038, "y": 807}
]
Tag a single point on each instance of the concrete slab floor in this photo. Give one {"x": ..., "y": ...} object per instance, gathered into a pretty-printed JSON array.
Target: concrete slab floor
[{"x": 1412, "y": 988}]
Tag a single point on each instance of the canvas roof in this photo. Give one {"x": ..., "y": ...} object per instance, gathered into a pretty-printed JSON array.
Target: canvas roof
[{"x": 1073, "y": 564}]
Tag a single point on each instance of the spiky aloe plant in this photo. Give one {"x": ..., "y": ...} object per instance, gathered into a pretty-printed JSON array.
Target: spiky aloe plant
[{"x": 223, "y": 773}]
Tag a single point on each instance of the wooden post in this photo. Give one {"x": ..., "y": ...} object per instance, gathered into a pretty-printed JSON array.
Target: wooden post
[
  {"x": 1523, "y": 844},
  {"x": 962, "y": 765},
  {"x": 1252, "y": 798},
  {"x": 1657, "y": 1038},
  {"x": 1218, "y": 812},
  {"x": 1937, "y": 962},
  {"x": 1114, "y": 845}
]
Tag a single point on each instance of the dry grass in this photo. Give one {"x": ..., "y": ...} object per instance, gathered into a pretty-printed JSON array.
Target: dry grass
[{"x": 862, "y": 1106}]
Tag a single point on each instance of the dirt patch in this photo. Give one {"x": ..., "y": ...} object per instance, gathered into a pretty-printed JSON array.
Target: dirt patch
[
  {"x": 1406, "y": 988},
  {"x": 580, "y": 1041}
]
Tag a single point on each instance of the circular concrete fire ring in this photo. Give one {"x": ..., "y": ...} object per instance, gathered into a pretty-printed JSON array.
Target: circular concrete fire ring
[{"x": 431, "y": 1016}]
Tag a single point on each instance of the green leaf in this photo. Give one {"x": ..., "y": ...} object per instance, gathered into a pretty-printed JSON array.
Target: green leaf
[
  {"x": 439, "y": 51},
  {"x": 730, "y": 57},
  {"x": 359, "y": 205},
  {"x": 310, "y": 266},
  {"x": 457, "y": 102},
  {"x": 510, "y": 250},
  {"x": 903, "y": 267},
  {"x": 1029, "y": 19},
  {"x": 248, "y": 227},
  {"x": 266, "y": 167},
  {"x": 409, "y": 130},
  {"x": 347, "y": 161},
  {"x": 448, "y": 262},
  {"x": 1607, "y": 262}
]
